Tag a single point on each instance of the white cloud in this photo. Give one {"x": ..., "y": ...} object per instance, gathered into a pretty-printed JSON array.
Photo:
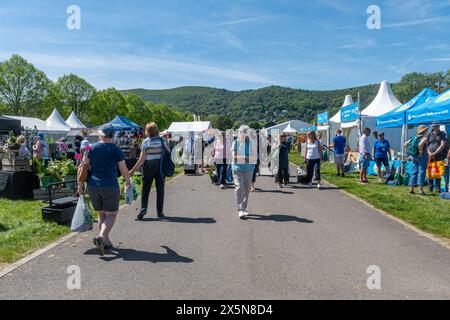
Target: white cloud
[
  {"x": 244, "y": 20},
  {"x": 140, "y": 64}
]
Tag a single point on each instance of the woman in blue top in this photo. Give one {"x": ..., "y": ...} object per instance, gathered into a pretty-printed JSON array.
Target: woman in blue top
[
  {"x": 103, "y": 189},
  {"x": 382, "y": 154},
  {"x": 243, "y": 165}
]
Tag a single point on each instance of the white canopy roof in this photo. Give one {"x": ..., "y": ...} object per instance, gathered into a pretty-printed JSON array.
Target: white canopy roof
[
  {"x": 31, "y": 123},
  {"x": 289, "y": 129},
  {"x": 337, "y": 117},
  {"x": 56, "y": 123},
  {"x": 74, "y": 122},
  {"x": 384, "y": 102},
  {"x": 294, "y": 124},
  {"x": 196, "y": 126}
]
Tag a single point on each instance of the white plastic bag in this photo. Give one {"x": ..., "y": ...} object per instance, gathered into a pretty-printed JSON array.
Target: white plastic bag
[
  {"x": 129, "y": 195},
  {"x": 82, "y": 218}
]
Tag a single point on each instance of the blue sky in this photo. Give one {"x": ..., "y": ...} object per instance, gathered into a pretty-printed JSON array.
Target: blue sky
[{"x": 229, "y": 44}]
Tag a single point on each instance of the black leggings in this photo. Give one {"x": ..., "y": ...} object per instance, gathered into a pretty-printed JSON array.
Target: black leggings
[
  {"x": 313, "y": 165},
  {"x": 152, "y": 172},
  {"x": 283, "y": 175}
]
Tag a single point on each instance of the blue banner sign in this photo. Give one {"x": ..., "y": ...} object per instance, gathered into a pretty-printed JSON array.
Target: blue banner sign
[
  {"x": 350, "y": 113},
  {"x": 322, "y": 119}
]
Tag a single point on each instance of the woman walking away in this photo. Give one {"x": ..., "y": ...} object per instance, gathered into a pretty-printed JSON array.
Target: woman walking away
[
  {"x": 313, "y": 156},
  {"x": 418, "y": 150},
  {"x": 104, "y": 157},
  {"x": 151, "y": 153},
  {"x": 283, "y": 161},
  {"x": 243, "y": 165},
  {"x": 382, "y": 155}
]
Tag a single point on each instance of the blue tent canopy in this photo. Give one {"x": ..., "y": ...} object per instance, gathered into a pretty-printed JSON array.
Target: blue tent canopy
[
  {"x": 397, "y": 117},
  {"x": 435, "y": 110},
  {"x": 306, "y": 129},
  {"x": 122, "y": 123}
]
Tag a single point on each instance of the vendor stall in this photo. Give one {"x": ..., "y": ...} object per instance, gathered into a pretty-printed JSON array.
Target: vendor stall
[{"x": 8, "y": 124}]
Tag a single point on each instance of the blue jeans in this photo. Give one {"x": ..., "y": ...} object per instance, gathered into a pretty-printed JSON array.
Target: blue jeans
[
  {"x": 447, "y": 177},
  {"x": 419, "y": 171},
  {"x": 222, "y": 172}
]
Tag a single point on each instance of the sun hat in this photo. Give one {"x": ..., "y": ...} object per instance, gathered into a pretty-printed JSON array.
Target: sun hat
[
  {"x": 435, "y": 124},
  {"x": 422, "y": 129}
]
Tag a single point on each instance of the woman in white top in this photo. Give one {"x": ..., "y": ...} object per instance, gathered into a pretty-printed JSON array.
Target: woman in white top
[{"x": 313, "y": 156}]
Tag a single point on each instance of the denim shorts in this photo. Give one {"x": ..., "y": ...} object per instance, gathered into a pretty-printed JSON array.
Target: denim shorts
[
  {"x": 363, "y": 162},
  {"x": 104, "y": 198}
]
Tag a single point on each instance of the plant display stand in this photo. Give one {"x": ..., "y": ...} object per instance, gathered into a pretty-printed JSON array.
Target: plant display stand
[
  {"x": 15, "y": 165},
  {"x": 59, "y": 210}
]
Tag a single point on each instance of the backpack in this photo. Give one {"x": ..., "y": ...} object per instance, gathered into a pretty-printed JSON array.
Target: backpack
[{"x": 413, "y": 146}]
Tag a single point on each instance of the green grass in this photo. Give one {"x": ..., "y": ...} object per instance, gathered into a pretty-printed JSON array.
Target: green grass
[
  {"x": 430, "y": 213},
  {"x": 22, "y": 230}
]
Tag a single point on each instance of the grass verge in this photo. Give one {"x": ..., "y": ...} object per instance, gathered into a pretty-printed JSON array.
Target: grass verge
[
  {"x": 430, "y": 213},
  {"x": 22, "y": 230}
]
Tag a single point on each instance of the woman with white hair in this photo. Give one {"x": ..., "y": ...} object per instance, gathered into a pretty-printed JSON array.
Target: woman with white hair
[{"x": 243, "y": 165}]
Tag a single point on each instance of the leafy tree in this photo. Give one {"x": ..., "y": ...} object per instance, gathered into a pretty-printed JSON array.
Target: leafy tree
[
  {"x": 76, "y": 93},
  {"x": 255, "y": 125},
  {"x": 106, "y": 105},
  {"x": 22, "y": 86}
]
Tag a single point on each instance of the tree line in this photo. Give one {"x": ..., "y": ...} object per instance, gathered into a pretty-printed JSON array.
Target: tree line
[{"x": 27, "y": 91}]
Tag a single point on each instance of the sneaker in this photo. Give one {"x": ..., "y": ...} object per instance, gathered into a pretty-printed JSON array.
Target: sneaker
[
  {"x": 161, "y": 215},
  {"x": 280, "y": 186},
  {"x": 318, "y": 186},
  {"x": 343, "y": 175},
  {"x": 142, "y": 214},
  {"x": 242, "y": 215},
  {"x": 108, "y": 245},
  {"x": 246, "y": 214},
  {"x": 222, "y": 186},
  {"x": 99, "y": 245}
]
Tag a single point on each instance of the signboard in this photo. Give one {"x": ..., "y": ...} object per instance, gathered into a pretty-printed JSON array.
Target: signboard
[
  {"x": 322, "y": 119},
  {"x": 350, "y": 113}
]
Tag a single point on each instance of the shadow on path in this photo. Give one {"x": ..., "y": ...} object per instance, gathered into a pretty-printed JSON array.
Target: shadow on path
[
  {"x": 258, "y": 190},
  {"x": 278, "y": 218},
  {"x": 136, "y": 255},
  {"x": 301, "y": 186},
  {"x": 179, "y": 220}
]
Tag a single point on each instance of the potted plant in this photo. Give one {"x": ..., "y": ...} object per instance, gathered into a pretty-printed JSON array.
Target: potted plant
[
  {"x": 70, "y": 171},
  {"x": 42, "y": 172}
]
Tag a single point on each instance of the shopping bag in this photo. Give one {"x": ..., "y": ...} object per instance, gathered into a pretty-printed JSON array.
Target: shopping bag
[
  {"x": 435, "y": 170},
  {"x": 129, "y": 195},
  {"x": 82, "y": 218}
]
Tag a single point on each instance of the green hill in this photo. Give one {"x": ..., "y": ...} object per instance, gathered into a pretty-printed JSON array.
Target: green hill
[{"x": 270, "y": 104}]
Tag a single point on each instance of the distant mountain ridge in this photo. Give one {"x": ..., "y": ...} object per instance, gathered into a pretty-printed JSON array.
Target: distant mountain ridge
[{"x": 265, "y": 105}]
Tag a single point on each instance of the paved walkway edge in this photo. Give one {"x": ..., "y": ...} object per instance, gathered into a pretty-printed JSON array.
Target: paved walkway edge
[
  {"x": 442, "y": 241},
  {"x": 11, "y": 267}
]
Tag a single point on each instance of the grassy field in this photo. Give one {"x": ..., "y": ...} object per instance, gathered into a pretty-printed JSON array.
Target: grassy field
[
  {"x": 22, "y": 230},
  {"x": 430, "y": 213}
]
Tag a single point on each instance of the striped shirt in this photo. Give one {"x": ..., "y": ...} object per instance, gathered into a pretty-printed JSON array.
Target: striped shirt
[{"x": 153, "y": 148}]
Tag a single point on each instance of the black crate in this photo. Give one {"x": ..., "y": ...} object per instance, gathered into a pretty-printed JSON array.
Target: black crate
[{"x": 60, "y": 214}]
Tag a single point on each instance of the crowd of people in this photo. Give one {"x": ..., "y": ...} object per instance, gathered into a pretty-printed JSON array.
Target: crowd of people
[{"x": 240, "y": 156}]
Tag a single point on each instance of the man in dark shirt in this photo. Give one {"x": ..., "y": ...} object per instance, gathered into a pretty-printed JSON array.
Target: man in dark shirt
[{"x": 436, "y": 143}]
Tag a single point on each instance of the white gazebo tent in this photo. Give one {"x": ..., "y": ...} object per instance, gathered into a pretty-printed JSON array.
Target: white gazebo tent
[
  {"x": 74, "y": 122},
  {"x": 384, "y": 102},
  {"x": 32, "y": 123},
  {"x": 294, "y": 124},
  {"x": 187, "y": 127},
  {"x": 336, "y": 119},
  {"x": 57, "y": 124},
  {"x": 289, "y": 129}
]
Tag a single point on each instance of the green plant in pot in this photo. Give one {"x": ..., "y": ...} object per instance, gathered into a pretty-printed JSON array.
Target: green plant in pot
[
  {"x": 57, "y": 170},
  {"x": 42, "y": 172},
  {"x": 70, "y": 171}
]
